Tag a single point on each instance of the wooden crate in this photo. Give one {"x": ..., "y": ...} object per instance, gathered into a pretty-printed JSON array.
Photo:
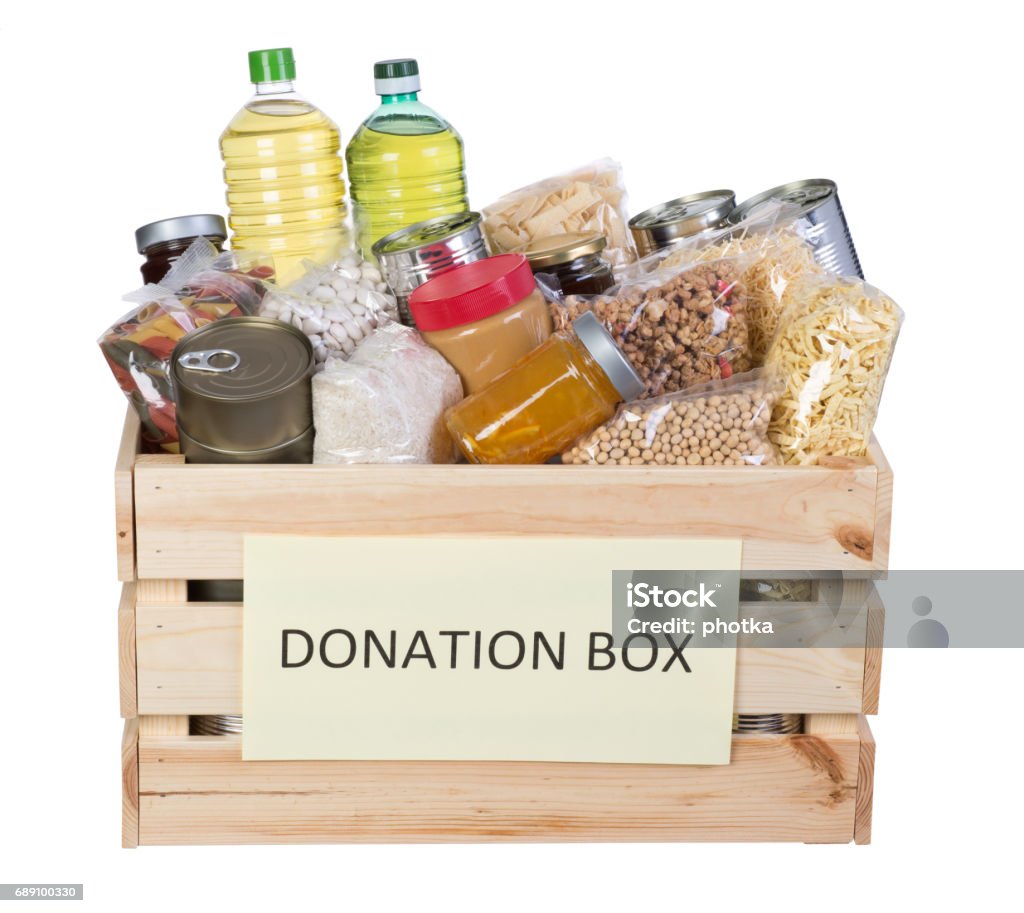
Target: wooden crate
[{"x": 177, "y": 523}]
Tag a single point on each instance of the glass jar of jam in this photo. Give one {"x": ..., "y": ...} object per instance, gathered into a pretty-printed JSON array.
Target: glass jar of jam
[
  {"x": 482, "y": 316},
  {"x": 538, "y": 407},
  {"x": 161, "y": 243},
  {"x": 574, "y": 259}
]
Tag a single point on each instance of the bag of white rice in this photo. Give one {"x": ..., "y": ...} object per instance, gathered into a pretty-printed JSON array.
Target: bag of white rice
[{"x": 386, "y": 403}]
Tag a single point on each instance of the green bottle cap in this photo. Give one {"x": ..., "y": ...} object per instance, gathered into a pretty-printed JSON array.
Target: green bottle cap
[
  {"x": 395, "y": 69},
  {"x": 272, "y": 65},
  {"x": 396, "y": 77}
]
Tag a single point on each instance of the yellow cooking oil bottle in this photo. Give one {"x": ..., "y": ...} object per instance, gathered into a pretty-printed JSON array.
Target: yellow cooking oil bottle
[
  {"x": 405, "y": 163},
  {"x": 283, "y": 171}
]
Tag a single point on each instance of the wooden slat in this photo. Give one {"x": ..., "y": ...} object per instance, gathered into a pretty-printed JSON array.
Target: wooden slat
[
  {"x": 873, "y": 652},
  {"x": 130, "y": 784},
  {"x": 191, "y": 520},
  {"x": 126, "y": 657},
  {"x": 865, "y": 783},
  {"x": 883, "y": 506},
  {"x": 124, "y": 509},
  {"x": 162, "y": 726},
  {"x": 190, "y": 662},
  {"x": 198, "y": 790}
]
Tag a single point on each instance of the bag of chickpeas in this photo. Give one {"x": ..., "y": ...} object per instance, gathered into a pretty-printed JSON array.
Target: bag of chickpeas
[
  {"x": 678, "y": 327},
  {"x": 722, "y": 423}
]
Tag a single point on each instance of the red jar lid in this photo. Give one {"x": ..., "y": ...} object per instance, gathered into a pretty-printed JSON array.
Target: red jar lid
[{"x": 471, "y": 291}]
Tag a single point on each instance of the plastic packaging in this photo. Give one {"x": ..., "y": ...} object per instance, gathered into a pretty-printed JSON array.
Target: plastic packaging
[
  {"x": 386, "y": 403},
  {"x": 406, "y": 163},
  {"x": 589, "y": 199},
  {"x": 283, "y": 171},
  {"x": 723, "y": 423},
  {"x": 777, "y": 255},
  {"x": 482, "y": 316},
  {"x": 679, "y": 327},
  {"x": 538, "y": 407},
  {"x": 833, "y": 349},
  {"x": 337, "y": 306},
  {"x": 201, "y": 287}
]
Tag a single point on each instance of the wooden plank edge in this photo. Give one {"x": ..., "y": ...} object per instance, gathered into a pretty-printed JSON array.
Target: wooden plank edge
[
  {"x": 883, "y": 507},
  {"x": 873, "y": 653},
  {"x": 865, "y": 784},
  {"x": 130, "y": 784},
  {"x": 124, "y": 496},
  {"x": 126, "y": 653}
]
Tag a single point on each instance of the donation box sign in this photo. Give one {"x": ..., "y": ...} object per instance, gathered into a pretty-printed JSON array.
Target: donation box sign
[{"x": 487, "y": 648}]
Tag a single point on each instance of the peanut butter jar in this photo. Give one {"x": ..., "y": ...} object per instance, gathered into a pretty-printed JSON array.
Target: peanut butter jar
[{"x": 482, "y": 316}]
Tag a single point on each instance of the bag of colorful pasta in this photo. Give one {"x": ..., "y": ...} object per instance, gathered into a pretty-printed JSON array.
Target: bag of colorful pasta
[
  {"x": 202, "y": 286},
  {"x": 833, "y": 349}
]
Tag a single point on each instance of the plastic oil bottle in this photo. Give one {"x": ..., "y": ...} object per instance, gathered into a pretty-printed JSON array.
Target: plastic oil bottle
[
  {"x": 405, "y": 162},
  {"x": 283, "y": 170}
]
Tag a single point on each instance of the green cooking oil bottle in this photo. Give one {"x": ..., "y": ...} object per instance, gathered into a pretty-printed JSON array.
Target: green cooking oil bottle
[{"x": 406, "y": 162}]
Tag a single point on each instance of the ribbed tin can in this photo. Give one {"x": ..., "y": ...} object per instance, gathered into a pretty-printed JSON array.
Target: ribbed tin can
[
  {"x": 243, "y": 393},
  {"x": 666, "y": 224},
  {"x": 781, "y": 723},
  {"x": 819, "y": 220},
  {"x": 225, "y": 724},
  {"x": 412, "y": 255}
]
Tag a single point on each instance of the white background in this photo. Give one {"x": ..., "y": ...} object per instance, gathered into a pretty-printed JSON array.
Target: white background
[{"x": 111, "y": 119}]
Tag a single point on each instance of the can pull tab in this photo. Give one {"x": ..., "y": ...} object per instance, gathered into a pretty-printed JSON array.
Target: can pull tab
[{"x": 216, "y": 361}]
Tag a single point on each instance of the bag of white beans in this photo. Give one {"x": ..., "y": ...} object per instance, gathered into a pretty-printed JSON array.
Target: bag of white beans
[
  {"x": 722, "y": 423},
  {"x": 336, "y": 306}
]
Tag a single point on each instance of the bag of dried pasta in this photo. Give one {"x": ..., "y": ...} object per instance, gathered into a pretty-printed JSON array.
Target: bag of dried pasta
[
  {"x": 677, "y": 327},
  {"x": 591, "y": 198},
  {"x": 833, "y": 350}
]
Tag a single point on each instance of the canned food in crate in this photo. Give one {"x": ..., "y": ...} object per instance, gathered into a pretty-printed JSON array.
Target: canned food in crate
[
  {"x": 666, "y": 224},
  {"x": 820, "y": 221},
  {"x": 412, "y": 255},
  {"x": 243, "y": 394},
  {"x": 780, "y": 723},
  {"x": 215, "y": 725}
]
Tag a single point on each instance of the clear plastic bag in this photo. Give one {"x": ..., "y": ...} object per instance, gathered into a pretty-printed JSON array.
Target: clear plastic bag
[
  {"x": 722, "y": 423},
  {"x": 202, "y": 286},
  {"x": 348, "y": 280},
  {"x": 833, "y": 349},
  {"x": 591, "y": 198},
  {"x": 678, "y": 327},
  {"x": 777, "y": 253},
  {"x": 386, "y": 403}
]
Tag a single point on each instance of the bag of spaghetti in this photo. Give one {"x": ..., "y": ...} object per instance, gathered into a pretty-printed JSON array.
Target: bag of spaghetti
[
  {"x": 833, "y": 351},
  {"x": 678, "y": 327},
  {"x": 778, "y": 256},
  {"x": 722, "y": 423}
]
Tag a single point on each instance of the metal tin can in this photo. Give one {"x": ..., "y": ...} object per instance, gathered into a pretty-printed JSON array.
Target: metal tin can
[
  {"x": 412, "y": 255},
  {"x": 781, "y": 723},
  {"x": 666, "y": 224},
  {"x": 226, "y": 724},
  {"x": 819, "y": 219},
  {"x": 243, "y": 394}
]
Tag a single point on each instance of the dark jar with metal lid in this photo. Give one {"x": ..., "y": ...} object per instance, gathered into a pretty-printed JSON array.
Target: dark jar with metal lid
[
  {"x": 161, "y": 243},
  {"x": 574, "y": 259}
]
